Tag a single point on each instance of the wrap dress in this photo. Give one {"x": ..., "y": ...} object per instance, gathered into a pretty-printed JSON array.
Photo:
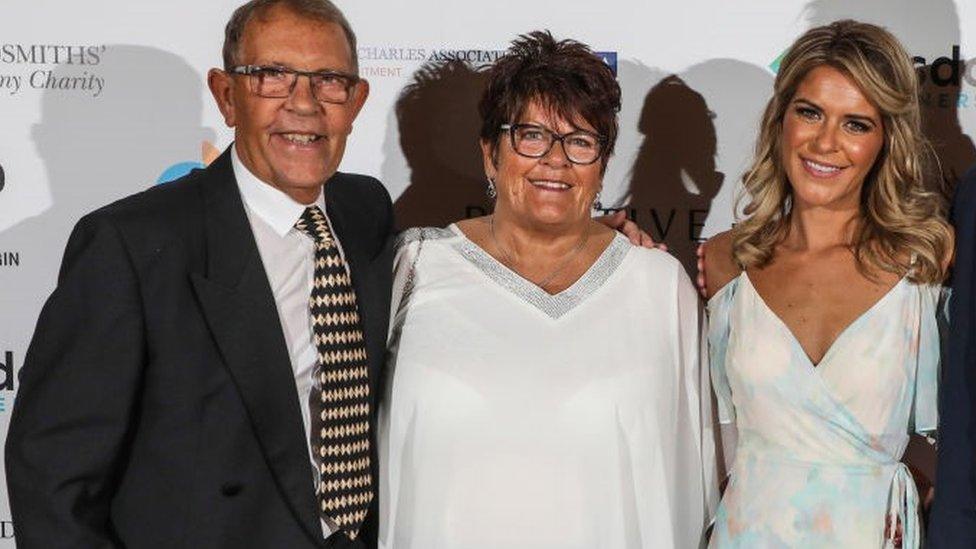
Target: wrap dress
[{"x": 819, "y": 446}]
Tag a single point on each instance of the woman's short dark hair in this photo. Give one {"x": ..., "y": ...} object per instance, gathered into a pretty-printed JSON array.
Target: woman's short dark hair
[{"x": 564, "y": 76}]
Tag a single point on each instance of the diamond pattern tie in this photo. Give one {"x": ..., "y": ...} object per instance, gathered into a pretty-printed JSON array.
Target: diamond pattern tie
[{"x": 339, "y": 406}]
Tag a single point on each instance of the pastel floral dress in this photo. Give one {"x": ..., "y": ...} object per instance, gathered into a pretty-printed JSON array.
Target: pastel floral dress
[{"x": 817, "y": 460}]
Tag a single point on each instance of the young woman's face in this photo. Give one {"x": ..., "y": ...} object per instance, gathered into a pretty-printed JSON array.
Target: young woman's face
[{"x": 832, "y": 136}]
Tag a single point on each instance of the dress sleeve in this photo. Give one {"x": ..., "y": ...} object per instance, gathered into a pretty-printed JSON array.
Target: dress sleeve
[
  {"x": 404, "y": 269},
  {"x": 932, "y": 328},
  {"x": 719, "y": 316},
  {"x": 696, "y": 454}
]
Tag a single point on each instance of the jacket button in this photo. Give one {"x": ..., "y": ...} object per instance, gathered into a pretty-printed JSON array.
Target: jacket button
[{"x": 231, "y": 489}]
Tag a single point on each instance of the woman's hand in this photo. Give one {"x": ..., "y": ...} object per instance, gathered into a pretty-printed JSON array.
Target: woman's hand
[
  {"x": 896, "y": 541},
  {"x": 700, "y": 279}
]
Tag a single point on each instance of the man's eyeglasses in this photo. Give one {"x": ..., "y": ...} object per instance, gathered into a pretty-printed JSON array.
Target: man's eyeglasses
[
  {"x": 580, "y": 147},
  {"x": 278, "y": 82}
]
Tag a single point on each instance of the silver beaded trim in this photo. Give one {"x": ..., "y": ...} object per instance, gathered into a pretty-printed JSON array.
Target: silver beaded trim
[
  {"x": 423, "y": 233},
  {"x": 553, "y": 305}
]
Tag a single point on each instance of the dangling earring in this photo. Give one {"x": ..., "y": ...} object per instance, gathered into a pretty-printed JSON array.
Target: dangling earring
[
  {"x": 597, "y": 205},
  {"x": 490, "y": 191}
]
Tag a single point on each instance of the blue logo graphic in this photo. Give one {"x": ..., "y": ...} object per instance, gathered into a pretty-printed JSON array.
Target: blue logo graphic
[
  {"x": 774, "y": 66},
  {"x": 3, "y": 403},
  {"x": 610, "y": 58},
  {"x": 177, "y": 171}
]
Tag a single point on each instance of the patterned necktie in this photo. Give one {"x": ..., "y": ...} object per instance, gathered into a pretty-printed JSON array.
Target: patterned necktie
[{"x": 339, "y": 406}]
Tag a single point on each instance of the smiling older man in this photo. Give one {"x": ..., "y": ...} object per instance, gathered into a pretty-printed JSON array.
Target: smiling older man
[{"x": 205, "y": 373}]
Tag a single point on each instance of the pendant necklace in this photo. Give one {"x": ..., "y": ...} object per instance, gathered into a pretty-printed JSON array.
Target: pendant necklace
[{"x": 509, "y": 261}]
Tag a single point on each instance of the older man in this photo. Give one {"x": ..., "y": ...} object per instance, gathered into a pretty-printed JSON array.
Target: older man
[{"x": 205, "y": 373}]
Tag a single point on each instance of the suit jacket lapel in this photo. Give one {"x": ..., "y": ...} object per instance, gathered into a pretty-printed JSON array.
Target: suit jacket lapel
[{"x": 237, "y": 301}]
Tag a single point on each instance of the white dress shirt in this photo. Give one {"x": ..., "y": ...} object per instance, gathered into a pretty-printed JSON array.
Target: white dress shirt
[{"x": 288, "y": 257}]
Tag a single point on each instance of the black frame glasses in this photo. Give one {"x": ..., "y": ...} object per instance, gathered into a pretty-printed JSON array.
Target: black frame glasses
[
  {"x": 571, "y": 153},
  {"x": 277, "y": 82}
]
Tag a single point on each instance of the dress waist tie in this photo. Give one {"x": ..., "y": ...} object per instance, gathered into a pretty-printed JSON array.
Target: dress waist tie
[{"x": 903, "y": 509}]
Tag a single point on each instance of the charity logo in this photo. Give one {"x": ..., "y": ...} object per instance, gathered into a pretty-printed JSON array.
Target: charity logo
[
  {"x": 7, "y": 383},
  {"x": 208, "y": 153},
  {"x": 610, "y": 58}
]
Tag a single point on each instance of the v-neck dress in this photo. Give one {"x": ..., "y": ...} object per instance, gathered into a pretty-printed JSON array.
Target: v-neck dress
[
  {"x": 515, "y": 418},
  {"x": 818, "y": 457}
]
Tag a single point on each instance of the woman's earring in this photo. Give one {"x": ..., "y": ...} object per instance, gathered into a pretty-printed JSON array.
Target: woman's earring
[
  {"x": 490, "y": 191},
  {"x": 597, "y": 205}
]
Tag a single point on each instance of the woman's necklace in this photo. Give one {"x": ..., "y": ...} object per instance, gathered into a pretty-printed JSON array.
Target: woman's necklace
[{"x": 552, "y": 274}]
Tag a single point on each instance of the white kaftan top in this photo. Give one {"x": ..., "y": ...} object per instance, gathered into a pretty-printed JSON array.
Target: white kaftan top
[
  {"x": 518, "y": 419},
  {"x": 817, "y": 462}
]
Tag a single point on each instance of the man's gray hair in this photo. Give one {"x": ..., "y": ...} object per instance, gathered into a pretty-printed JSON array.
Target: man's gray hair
[{"x": 322, "y": 10}]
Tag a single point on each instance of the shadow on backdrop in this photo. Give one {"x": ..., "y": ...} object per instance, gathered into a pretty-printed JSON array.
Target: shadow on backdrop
[
  {"x": 438, "y": 123},
  {"x": 683, "y": 147},
  {"x": 98, "y": 149},
  {"x": 674, "y": 179}
]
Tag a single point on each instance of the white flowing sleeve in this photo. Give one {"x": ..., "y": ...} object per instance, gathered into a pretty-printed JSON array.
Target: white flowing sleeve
[
  {"x": 719, "y": 321},
  {"x": 933, "y": 326},
  {"x": 692, "y": 327},
  {"x": 408, "y": 246}
]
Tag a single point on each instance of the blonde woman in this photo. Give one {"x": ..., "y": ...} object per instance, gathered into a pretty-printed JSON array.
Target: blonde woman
[{"x": 823, "y": 303}]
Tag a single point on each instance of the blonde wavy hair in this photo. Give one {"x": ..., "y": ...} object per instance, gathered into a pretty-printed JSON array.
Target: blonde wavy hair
[{"x": 900, "y": 217}]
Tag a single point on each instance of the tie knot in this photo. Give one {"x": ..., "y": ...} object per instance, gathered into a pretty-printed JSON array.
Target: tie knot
[{"x": 313, "y": 223}]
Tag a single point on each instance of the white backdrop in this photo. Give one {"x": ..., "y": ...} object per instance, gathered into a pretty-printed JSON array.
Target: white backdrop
[{"x": 102, "y": 98}]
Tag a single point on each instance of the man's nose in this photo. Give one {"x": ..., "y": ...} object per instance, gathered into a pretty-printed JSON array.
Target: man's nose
[{"x": 302, "y": 99}]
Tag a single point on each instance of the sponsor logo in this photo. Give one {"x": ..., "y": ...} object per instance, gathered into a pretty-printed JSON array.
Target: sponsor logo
[
  {"x": 398, "y": 61},
  {"x": 7, "y": 383},
  {"x": 31, "y": 66},
  {"x": 9, "y": 259},
  {"x": 3, "y": 178},
  {"x": 610, "y": 58},
  {"x": 667, "y": 223},
  {"x": 947, "y": 81},
  {"x": 6, "y": 529},
  {"x": 208, "y": 153},
  {"x": 50, "y": 54},
  {"x": 390, "y": 61},
  {"x": 774, "y": 66},
  {"x": 947, "y": 71}
]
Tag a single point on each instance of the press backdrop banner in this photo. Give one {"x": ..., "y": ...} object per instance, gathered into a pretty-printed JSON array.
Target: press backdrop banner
[{"x": 103, "y": 98}]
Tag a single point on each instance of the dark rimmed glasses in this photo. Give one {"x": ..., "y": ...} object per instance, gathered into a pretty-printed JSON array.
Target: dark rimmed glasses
[
  {"x": 278, "y": 82},
  {"x": 534, "y": 141}
]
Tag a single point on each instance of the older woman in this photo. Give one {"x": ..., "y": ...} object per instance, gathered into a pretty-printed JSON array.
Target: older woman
[
  {"x": 824, "y": 300},
  {"x": 545, "y": 386}
]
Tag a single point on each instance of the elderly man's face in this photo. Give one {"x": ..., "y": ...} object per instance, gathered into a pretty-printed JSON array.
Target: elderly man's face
[{"x": 293, "y": 143}]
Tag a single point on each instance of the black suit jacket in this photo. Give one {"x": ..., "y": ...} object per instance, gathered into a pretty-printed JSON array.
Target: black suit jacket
[
  {"x": 157, "y": 405},
  {"x": 953, "y": 520}
]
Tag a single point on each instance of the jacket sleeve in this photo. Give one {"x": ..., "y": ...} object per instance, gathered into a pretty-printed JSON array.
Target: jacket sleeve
[
  {"x": 73, "y": 417},
  {"x": 953, "y": 520}
]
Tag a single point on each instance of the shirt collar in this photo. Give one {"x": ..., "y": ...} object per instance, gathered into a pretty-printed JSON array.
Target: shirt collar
[{"x": 278, "y": 210}]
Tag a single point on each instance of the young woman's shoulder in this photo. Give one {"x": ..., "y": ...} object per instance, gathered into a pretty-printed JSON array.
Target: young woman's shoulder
[{"x": 718, "y": 264}]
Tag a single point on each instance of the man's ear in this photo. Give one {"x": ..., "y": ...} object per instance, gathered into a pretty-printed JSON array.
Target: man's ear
[
  {"x": 358, "y": 99},
  {"x": 221, "y": 86}
]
